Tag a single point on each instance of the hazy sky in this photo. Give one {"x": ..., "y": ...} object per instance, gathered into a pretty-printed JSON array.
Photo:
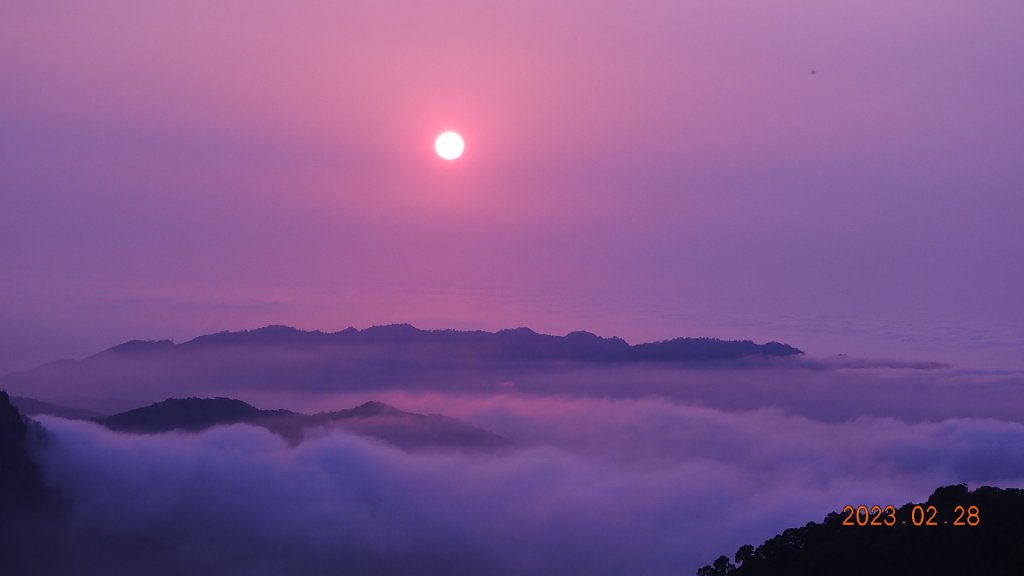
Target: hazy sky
[{"x": 843, "y": 176}]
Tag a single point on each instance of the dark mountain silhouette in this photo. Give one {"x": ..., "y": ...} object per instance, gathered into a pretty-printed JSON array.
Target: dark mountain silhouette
[
  {"x": 994, "y": 546},
  {"x": 21, "y": 484},
  {"x": 276, "y": 357},
  {"x": 190, "y": 414},
  {"x": 28, "y": 507},
  {"x": 376, "y": 419},
  {"x": 136, "y": 346},
  {"x": 518, "y": 344}
]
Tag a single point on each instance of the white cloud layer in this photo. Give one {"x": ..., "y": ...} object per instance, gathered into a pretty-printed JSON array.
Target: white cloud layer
[{"x": 596, "y": 486}]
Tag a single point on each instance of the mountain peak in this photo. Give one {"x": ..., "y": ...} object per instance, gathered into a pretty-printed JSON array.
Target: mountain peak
[
  {"x": 182, "y": 413},
  {"x": 137, "y": 346},
  {"x": 522, "y": 330},
  {"x": 375, "y": 419},
  {"x": 374, "y": 408}
]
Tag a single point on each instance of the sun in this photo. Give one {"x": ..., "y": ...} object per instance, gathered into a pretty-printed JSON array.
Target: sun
[{"x": 449, "y": 145}]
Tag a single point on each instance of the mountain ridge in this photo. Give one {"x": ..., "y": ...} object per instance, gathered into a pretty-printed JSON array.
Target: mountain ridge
[
  {"x": 519, "y": 343},
  {"x": 407, "y": 430},
  {"x": 250, "y": 362}
]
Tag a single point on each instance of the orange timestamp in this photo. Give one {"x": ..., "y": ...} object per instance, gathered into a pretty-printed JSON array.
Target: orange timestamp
[{"x": 918, "y": 516}]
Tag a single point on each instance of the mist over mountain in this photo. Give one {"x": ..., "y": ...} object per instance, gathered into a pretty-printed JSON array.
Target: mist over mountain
[
  {"x": 312, "y": 372},
  {"x": 28, "y": 504},
  {"x": 276, "y": 357},
  {"x": 406, "y": 430},
  {"x": 33, "y": 407},
  {"x": 189, "y": 414},
  {"x": 21, "y": 485},
  {"x": 602, "y": 467},
  {"x": 595, "y": 485}
]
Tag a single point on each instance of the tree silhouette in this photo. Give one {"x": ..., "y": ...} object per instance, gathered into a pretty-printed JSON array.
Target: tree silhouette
[{"x": 989, "y": 540}]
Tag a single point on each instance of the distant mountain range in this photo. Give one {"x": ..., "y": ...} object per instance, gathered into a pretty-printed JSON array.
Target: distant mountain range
[
  {"x": 519, "y": 344},
  {"x": 280, "y": 357},
  {"x": 406, "y": 430},
  {"x": 32, "y": 407}
]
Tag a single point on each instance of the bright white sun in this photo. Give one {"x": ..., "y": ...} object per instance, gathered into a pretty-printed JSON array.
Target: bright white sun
[{"x": 449, "y": 145}]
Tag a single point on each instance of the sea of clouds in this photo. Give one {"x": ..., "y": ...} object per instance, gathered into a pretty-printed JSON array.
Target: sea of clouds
[{"x": 649, "y": 477}]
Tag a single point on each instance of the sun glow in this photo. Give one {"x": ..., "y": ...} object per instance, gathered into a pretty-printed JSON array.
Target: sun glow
[{"x": 449, "y": 145}]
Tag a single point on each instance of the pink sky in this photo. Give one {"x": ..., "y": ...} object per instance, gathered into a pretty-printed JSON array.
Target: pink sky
[{"x": 646, "y": 170}]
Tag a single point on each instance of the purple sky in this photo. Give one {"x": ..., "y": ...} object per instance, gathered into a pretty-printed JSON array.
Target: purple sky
[{"x": 641, "y": 169}]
